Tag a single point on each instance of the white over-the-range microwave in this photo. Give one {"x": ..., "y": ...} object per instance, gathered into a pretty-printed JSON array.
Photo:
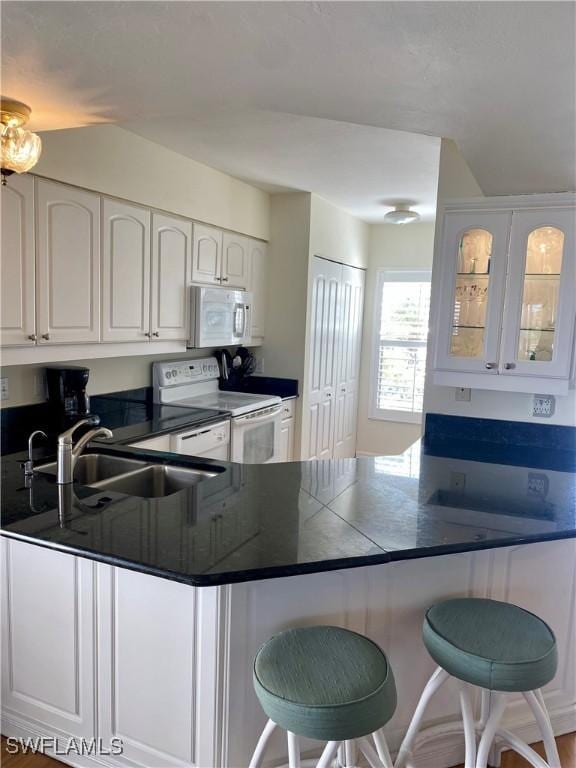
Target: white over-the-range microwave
[{"x": 219, "y": 317}]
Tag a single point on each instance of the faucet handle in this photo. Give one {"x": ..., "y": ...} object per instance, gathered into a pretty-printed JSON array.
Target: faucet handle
[
  {"x": 29, "y": 465},
  {"x": 66, "y": 437}
]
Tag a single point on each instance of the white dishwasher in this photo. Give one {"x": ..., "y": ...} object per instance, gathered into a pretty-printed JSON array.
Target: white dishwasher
[{"x": 211, "y": 441}]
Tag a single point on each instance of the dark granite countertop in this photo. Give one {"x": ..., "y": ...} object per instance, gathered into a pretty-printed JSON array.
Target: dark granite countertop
[{"x": 264, "y": 521}]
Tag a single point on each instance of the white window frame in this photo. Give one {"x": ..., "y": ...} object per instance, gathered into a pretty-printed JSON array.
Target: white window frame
[{"x": 389, "y": 276}]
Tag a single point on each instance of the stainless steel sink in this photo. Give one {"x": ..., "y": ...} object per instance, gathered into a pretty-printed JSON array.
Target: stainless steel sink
[
  {"x": 131, "y": 476},
  {"x": 91, "y": 468},
  {"x": 155, "y": 480}
]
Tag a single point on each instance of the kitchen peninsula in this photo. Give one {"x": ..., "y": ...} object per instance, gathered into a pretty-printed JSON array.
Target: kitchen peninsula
[{"x": 158, "y": 605}]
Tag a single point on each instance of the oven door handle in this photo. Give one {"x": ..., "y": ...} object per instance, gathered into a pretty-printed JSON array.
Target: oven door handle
[{"x": 269, "y": 415}]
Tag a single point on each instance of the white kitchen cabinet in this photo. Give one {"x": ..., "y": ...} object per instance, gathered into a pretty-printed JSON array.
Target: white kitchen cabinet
[
  {"x": 329, "y": 423},
  {"x": 350, "y": 306},
  {"x": 207, "y": 255},
  {"x": 287, "y": 430},
  {"x": 235, "y": 261},
  {"x": 48, "y": 638},
  {"x": 258, "y": 259},
  {"x": 126, "y": 272},
  {"x": 17, "y": 310},
  {"x": 147, "y": 666},
  {"x": 505, "y": 308},
  {"x": 68, "y": 264},
  {"x": 538, "y": 326},
  {"x": 171, "y": 269}
]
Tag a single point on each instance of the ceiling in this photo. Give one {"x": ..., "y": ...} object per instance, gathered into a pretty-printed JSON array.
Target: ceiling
[
  {"x": 362, "y": 169},
  {"x": 296, "y": 94}
]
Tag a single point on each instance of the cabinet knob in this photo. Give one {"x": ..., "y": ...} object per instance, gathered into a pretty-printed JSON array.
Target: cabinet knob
[
  {"x": 224, "y": 279},
  {"x": 148, "y": 335},
  {"x": 46, "y": 336},
  {"x": 32, "y": 337},
  {"x": 156, "y": 334},
  {"x": 490, "y": 365},
  {"x": 509, "y": 366},
  {"x": 329, "y": 394}
]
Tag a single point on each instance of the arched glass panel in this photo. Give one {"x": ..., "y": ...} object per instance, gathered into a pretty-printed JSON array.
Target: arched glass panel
[
  {"x": 471, "y": 293},
  {"x": 544, "y": 250}
]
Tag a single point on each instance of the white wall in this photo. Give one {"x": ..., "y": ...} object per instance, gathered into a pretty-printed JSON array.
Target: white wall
[
  {"x": 106, "y": 375},
  {"x": 109, "y": 159},
  {"x": 336, "y": 235},
  {"x": 455, "y": 180},
  {"x": 391, "y": 247},
  {"x": 283, "y": 348}
]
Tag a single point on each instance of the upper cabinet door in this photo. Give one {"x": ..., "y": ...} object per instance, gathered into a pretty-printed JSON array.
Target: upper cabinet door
[
  {"x": 17, "y": 314},
  {"x": 235, "y": 261},
  {"x": 171, "y": 264},
  {"x": 68, "y": 268},
  {"x": 259, "y": 286},
  {"x": 126, "y": 272},
  {"x": 206, "y": 255},
  {"x": 473, "y": 264},
  {"x": 537, "y": 336}
]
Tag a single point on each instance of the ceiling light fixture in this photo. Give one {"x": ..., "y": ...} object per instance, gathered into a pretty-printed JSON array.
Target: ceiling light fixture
[
  {"x": 401, "y": 215},
  {"x": 19, "y": 149}
]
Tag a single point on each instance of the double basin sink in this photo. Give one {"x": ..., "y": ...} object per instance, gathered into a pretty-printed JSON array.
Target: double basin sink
[{"x": 133, "y": 477}]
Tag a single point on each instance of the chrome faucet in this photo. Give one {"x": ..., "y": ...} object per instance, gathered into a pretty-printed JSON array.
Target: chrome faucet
[
  {"x": 68, "y": 453},
  {"x": 29, "y": 465}
]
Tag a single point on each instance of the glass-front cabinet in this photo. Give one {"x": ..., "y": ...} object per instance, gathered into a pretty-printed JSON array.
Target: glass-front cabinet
[{"x": 506, "y": 301}]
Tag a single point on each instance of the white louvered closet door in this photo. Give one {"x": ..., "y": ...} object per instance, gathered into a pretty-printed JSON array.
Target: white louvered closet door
[
  {"x": 335, "y": 337},
  {"x": 323, "y": 344},
  {"x": 350, "y": 310}
]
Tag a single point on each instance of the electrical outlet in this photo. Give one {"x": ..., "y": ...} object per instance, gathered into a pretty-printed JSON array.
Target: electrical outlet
[
  {"x": 538, "y": 484},
  {"x": 543, "y": 406},
  {"x": 259, "y": 365},
  {"x": 4, "y": 392},
  {"x": 463, "y": 394}
]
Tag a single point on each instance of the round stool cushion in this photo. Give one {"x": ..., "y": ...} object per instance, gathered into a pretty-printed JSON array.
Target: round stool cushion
[
  {"x": 325, "y": 683},
  {"x": 495, "y": 645}
]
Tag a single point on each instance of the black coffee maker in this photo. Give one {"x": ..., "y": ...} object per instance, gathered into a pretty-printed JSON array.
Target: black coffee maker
[{"x": 67, "y": 393}]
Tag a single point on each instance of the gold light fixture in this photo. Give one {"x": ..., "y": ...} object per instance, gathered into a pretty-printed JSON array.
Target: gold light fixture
[{"x": 19, "y": 149}]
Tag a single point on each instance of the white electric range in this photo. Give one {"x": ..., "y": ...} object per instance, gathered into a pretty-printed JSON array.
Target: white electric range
[{"x": 255, "y": 419}]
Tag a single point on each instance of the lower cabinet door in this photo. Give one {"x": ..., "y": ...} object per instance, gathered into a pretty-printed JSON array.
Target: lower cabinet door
[
  {"x": 48, "y": 639},
  {"x": 287, "y": 440},
  {"x": 147, "y": 678}
]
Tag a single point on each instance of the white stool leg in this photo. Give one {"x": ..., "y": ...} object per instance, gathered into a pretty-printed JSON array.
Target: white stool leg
[
  {"x": 538, "y": 707},
  {"x": 293, "y": 750},
  {"x": 329, "y": 751},
  {"x": 261, "y": 746},
  {"x": 498, "y": 705},
  {"x": 370, "y": 753},
  {"x": 382, "y": 748},
  {"x": 349, "y": 754},
  {"x": 469, "y": 728},
  {"x": 438, "y": 678}
]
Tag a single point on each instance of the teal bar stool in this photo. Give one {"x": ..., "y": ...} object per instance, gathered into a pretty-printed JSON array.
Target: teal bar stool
[
  {"x": 325, "y": 683},
  {"x": 500, "y": 648}
]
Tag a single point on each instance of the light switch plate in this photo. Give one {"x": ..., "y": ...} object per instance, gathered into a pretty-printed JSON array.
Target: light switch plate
[
  {"x": 543, "y": 406},
  {"x": 4, "y": 392}
]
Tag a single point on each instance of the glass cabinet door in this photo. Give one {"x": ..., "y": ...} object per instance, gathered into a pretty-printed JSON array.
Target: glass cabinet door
[
  {"x": 474, "y": 249},
  {"x": 539, "y": 319}
]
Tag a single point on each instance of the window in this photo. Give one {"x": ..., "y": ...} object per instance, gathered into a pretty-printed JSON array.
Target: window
[{"x": 399, "y": 355}]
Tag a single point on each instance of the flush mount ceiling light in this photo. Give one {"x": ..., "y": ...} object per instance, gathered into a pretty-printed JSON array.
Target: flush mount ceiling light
[
  {"x": 401, "y": 215},
  {"x": 19, "y": 148}
]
